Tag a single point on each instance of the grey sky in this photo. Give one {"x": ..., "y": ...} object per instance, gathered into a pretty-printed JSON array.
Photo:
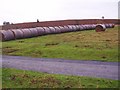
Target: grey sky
[{"x": 18, "y": 11}]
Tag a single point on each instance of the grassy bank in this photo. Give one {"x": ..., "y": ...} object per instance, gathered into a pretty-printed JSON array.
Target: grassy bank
[
  {"x": 82, "y": 45},
  {"x": 13, "y": 78},
  {"x": 0, "y": 78}
]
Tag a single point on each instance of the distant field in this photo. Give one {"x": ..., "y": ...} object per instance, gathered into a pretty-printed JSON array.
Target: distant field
[
  {"x": 13, "y": 78},
  {"x": 82, "y": 45}
]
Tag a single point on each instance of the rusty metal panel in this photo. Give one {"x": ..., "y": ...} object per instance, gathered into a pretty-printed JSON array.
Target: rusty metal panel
[
  {"x": 7, "y": 35},
  {"x": 34, "y": 32},
  {"x": 17, "y": 33},
  {"x": 26, "y": 33}
]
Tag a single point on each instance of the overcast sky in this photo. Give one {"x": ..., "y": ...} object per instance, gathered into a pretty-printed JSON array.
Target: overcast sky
[{"x": 17, "y": 11}]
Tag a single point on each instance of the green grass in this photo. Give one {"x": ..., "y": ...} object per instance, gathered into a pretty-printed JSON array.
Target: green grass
[
  {"x": 82, "y": 45},
  {"x": 0, "y": 78},
  {"x": 13, "y": 78}
]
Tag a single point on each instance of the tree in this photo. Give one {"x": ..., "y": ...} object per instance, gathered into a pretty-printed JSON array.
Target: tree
[
  {"x": 6, "y": 23},
  {"x": 102, "y": 17}
]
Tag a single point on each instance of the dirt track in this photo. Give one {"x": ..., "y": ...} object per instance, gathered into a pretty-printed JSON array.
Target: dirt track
[{"x": 60, "y": 66}]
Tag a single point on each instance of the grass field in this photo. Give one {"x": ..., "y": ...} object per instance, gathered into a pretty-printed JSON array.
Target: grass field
[
  {"x": 13, "y": 78},
  {"x": 0, "y": 78},
  {"x": 82, "y": 45}
]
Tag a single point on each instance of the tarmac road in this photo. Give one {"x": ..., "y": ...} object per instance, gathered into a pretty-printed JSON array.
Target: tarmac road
[{"x": 60, "y": 66}]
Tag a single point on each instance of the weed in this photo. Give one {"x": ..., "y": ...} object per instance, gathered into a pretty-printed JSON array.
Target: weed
[{"x": 13, "y": 78}]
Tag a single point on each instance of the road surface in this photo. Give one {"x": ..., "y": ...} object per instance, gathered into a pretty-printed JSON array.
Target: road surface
[{"x": 60, "y": 66}]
